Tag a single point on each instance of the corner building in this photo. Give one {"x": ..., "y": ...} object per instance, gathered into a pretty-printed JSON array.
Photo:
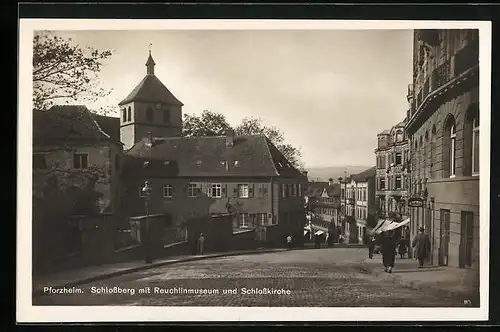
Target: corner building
[{"x": 443, "y": 128}]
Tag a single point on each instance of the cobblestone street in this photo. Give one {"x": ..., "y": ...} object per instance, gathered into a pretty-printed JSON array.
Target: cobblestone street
[{"x": 321, "y": 278}]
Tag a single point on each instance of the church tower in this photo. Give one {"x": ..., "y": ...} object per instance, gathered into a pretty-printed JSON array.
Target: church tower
[{"x": 150, "y": 107}]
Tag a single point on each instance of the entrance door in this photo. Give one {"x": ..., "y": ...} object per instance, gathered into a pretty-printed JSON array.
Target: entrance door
[
  {"x": 466, "y": 231},
  {"x": 444, "y": 236}
]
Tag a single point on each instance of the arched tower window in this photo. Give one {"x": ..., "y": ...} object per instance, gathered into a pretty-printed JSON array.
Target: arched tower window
[
  {"x": 149, "y": 114},
  {"x": 124, "y": 115},
  {"x": 129, "y": 113},
  {"x": 449, "y": 147}
]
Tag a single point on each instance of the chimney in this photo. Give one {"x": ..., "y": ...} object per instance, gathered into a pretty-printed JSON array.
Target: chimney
[
  {"x": 230, "y": 138},
  {"x": 330, "y": 181}
]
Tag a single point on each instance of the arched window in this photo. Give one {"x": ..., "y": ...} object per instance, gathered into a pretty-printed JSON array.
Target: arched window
[
  {"x": 471, "y": 142},
  {"x": 124, "y": 115},
  {"x": 449, "y": 147},
  {"x": 129, "y": 115},
  {"x": 453, "y": 143},
  {"x": 149, "y": 114},
  {"x": 475, "y": 146},
  {"x": 432, "y": 161}
]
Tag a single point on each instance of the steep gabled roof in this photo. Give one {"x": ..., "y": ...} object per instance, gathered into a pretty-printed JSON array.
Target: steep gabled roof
[
  {"x": 73, "y": 122},
  {"x": 151, "y": 89},
  {"x": 315, "y": 189},
  {"x": 250, "y": 156}
]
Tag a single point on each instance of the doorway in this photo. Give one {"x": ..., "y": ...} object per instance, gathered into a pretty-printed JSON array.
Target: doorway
[
  {"x": 444, "y": 237},
  {"x": 466, "y": 237}
]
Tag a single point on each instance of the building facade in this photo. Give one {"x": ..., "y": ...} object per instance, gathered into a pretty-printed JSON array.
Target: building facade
[
  {"x": 191, "y": 177},
  {"x": 358, "y": 202},
  {"x": 443, "y": 131},
  {"x": 324, "y": 201},
  {"x": 392, "y": 174},
  {"x": 77, "y": 159}
]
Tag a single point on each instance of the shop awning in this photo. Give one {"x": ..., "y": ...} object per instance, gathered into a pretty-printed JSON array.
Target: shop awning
[
  {"x": 395, "y": 225},
  {"x": 319, "y": 233}
]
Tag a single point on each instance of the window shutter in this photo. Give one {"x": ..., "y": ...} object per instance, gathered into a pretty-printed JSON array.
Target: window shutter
[
  {"x": 250, "y": 190},
  {"x": 224, "y": 190}
]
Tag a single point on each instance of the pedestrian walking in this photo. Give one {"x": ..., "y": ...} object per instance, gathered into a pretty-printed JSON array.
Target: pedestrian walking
[
  {"x": 370, "y": 244},
  {"x": 422, "y": 245},
  {"x": 403, "y": 247},
  {"x": 201, "y": 244},
  {"x": 388, "y": 248},
  {"x": 289, "y": 242}
]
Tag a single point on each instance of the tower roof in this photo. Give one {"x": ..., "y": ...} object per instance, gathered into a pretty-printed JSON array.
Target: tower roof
[{"x": 151, "y": 89}]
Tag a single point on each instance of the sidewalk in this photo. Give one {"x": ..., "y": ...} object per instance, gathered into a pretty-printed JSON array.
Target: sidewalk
[
  {"x": 448, "y": 281},
  {"x": 94, "y": 273}
]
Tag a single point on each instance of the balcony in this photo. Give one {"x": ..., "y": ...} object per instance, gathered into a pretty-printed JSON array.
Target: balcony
[
  {"x": 461, "y": 70},
  {"x": 467, "y": 57},
  {"x": 440, "y": 76}
]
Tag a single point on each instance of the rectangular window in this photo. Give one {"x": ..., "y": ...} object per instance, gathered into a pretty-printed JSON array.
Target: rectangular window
[
  {"x": 129, "y": 114},
  {"x": 399, "y": 159},
  {"x": 342, "y": 193},
  {"x": 124, "y": 115},
  {"x": 243, "y": 220},
  {"x": 382, "y": 184},
  {"x": 39, "y": 161},
  {"x": 167, "y": 191},
  {"x": 283, "y": 190},
  {"x": 475, "y": 148},
  {"x": 398, "y": 182},
  {"x": 216, "y": 190},
  {"x": 243, "y": 190},
  {"x": 193, "y": 189},
  {"x": 80, "y": 160},
  {"x": 300, "y": 189}
]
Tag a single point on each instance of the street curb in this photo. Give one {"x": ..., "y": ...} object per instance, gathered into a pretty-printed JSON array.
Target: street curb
[
  {"x": 40, "y": 292},
  {"x": 410, "y": 284}
]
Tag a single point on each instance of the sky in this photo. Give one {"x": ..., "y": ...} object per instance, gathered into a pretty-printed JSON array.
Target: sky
[{"x": 329, "y": 91}]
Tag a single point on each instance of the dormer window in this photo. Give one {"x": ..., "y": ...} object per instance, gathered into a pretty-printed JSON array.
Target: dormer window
[{"x": 399, "y": 136}]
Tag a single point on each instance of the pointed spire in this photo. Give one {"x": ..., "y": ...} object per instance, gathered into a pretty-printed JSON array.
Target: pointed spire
[{"x": 150, "y": 64}]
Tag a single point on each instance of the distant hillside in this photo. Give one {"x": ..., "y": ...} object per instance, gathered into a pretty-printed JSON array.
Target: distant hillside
[{"x": 334, "y": 172}]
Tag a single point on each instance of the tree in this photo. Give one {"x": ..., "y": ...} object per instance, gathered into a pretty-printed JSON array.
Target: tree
[
  {"x": 215, "y": 124},
  {"x": 65, "y": 71},
  {"x": 255, "y": 126},
  {"x": 207, "y": 124}
]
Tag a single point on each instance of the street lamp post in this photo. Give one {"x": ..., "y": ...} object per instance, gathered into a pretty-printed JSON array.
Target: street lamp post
[{"x": 146, "y": 189}]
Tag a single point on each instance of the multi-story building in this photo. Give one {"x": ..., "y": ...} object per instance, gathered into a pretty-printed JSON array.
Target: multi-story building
[
  {"x": 246, "y": 176},
  {"x": 443, "y": 131},
  {"x": 358, "y": 202},
  {"x": 324, "y": 200},
  {"x": 393, "y": 177},
  {"x": 77, "y": 159}
]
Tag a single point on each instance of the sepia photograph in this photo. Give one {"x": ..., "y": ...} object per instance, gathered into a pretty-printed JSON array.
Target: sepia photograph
[{"x": 324, "y": 168}]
